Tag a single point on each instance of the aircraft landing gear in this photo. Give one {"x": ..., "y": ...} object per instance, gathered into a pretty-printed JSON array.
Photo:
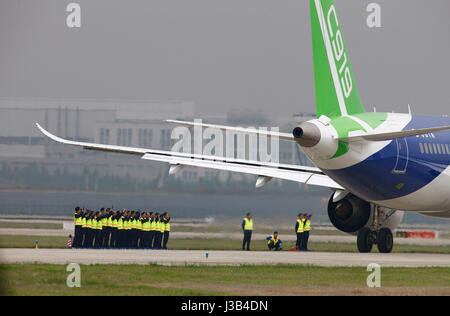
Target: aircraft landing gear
[{"x": 373, "y": 234}]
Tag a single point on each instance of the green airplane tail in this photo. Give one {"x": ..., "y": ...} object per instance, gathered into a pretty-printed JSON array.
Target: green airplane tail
[{"x": 336, "y": 91}]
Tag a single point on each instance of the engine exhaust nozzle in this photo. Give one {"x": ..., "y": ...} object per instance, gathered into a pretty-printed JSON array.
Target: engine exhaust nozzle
[{"x": 307, "y": 134}]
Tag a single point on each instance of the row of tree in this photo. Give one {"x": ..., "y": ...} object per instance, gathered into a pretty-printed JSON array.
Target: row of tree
[{"x": 34, "y": 176}]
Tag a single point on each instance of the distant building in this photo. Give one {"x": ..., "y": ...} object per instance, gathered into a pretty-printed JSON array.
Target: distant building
[
  {"x": 134, "y": 123},
  {"x": 118, "y": 122}
]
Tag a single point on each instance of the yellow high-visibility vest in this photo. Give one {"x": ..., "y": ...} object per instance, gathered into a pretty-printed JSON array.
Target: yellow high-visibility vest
[
  {"x": 152, "y": 224},
  {"x": 104, "y": 222},
  {"x": 155, "y": 225},
  {"x": 139, "y": 224},
  {"x": 159, "y": 226},
  {"x": 307, "y": 226},
  {"x": 84, "y": 222},
  {"x": 78, "y": 221},
  {"x": 109, "y": 221},
  {"x": 129, "y": 224},
  {"x": 167, "y": 227},
  {"x": 146, "y": 226},
  {"x": 120, "y": 224},
  {"x": 300, "y": 226},
  {"x": 275, "y": 241},
  {"x": 248, "y": 224},
  {"x": 99, "y": 224}
]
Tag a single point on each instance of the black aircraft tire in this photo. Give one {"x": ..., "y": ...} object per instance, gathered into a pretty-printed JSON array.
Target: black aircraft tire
[
  {"x": 364, "y": 240},
  {"x": 385, "y": 240}
]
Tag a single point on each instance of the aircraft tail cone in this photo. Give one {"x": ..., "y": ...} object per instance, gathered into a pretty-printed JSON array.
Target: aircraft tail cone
[{"x": 307, "y": 134}]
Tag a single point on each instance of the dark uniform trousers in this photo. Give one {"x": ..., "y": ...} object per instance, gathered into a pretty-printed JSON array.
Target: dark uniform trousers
[
  {"x": 145, "y": 239},
  {"x": 305, "y": 237},
  {"x": 166, "y": 239},
  {"x": 98, "y": 238},
  {"x": 122, "y": 236},
  {"x": 107, "y": 236},
  {"x": 89, "y": 237},
  {"x": 299, "y": 240},
  {"x": 157, "y": 244},
  {"x": 158, "y": 240},
  {"x": 140, "y": 239},
  {"x": 271, "y": 245},
  {"x": 151, "y": 239},
  {"x": 247, "y": 239},
  {"x": 83, "y": 236},
  {"x": 113, "y": 242},
  {"x": 77, "y": 238}
]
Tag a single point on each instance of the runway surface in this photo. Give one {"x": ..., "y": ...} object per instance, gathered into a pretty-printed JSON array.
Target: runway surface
[{"x": 183, "y": 257}]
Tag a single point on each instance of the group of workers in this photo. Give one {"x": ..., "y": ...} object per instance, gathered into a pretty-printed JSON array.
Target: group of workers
[
  {"x": 302, "y": 229},
  {"x": 124, "y": 229}
]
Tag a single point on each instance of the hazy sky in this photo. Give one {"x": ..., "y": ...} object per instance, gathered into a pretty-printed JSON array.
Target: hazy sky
[{"x": 222, "y": 54}]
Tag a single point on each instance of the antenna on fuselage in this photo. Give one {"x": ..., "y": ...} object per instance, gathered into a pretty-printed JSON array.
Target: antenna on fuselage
[{"x": 409, "y": 109}]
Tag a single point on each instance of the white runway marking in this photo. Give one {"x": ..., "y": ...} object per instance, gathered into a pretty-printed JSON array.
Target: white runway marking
[{"x": 182, "y": 257}]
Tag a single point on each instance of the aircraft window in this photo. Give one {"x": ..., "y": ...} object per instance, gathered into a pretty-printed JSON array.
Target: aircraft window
[
  {"x": 439, "y": 149},
  {"x": 443, "y": 149},
  {"x": 421, "y": 148},
  {"x": 430, "y": 148},
  {"x": 426, "y": 149},
  {"x": 434, "y": 149},
  {"x": 448, "y": 150},
  {"x": 104, "y": 135}
]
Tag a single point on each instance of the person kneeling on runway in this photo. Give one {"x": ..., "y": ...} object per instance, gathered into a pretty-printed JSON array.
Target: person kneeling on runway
[{"x": 273, "y": 242}]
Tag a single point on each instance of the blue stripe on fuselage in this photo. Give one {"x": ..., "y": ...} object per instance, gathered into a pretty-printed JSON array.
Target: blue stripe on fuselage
[{"x": 375, "y": 178}]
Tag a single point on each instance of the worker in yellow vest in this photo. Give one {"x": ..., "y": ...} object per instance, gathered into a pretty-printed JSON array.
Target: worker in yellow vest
[
  {"x": 138, "y": 227},
  {"x": 78, "y": 222},
  {"x": 299, "y": 231},
  {"x": 94, "y": 229},
  {"x": 146, "y": 227},
  {"x": 133, "y": 230},
  {"x": 306, "y": 230},
  {"x": 83, "y": 227},
  {"x": 89, "y": 233},
  {"x": 128, "y": 228},
  {"x": 247, "y": 227},
  {"x": 121, "y": 229},
  {"x": 109, "y": 227},
  {"x": 152, "y": 234},
  {"x": 104, "y": 222},
  {"x": 114, "y": 229},
  {"x": 99, "y": 227},
  {"x": 166, "y": 233},
  {"x": 274, "y": 242},
  {"x": 158, "y": 231}
]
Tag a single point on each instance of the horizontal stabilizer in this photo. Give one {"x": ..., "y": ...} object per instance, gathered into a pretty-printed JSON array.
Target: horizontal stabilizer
[
  {"x": 378, "y": 137},
  {"x": 282, "y": 136}
]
